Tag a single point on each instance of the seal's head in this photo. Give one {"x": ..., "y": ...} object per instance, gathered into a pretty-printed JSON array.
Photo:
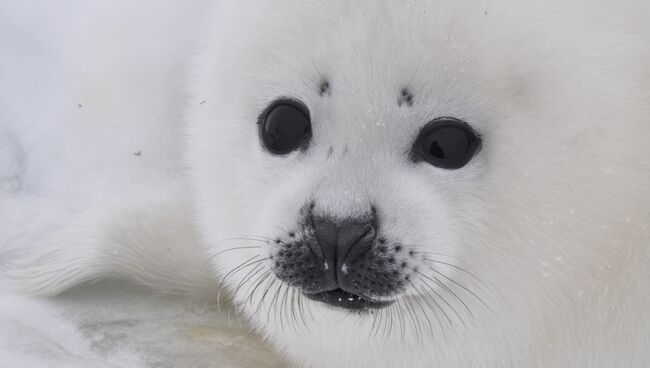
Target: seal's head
[{"x": 373, "y": 174}]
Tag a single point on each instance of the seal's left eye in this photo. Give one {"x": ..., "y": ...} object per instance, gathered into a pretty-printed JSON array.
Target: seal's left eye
[
  {"x": 446, "y": 143},
  {"x": 285, "y": 126}
]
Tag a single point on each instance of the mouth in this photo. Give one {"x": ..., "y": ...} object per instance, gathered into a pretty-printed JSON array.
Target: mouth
[{"x": 340, "y": 298}]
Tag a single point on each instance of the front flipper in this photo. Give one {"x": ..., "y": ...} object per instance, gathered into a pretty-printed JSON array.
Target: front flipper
[{"x": 153, "y": 244}]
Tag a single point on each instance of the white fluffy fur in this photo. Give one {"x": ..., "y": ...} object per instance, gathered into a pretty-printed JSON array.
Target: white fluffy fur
[{"x": 550, "y": 222}]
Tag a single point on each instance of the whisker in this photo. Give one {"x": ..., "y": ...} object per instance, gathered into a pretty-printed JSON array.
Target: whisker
[
  {"x": 227, "y": 250},
  {"x": 233, "y": 271},
  {"x": 282, "y": 303},
  {"x": 442, "y": 284},
  {"x": 273, "y": 304},
  {"x": 435, "y": 254},
  {"x": 433, "y": 300},
  {"x": 401, "y": 324},
  {"x": 391, "y": 308},
  {"x": 412, "y": 314},
  {"x": 301, "y": 310},
  {"x": 424, "y": 313},
  {"x": 260, "y": 280},
  {"x": 235, "y": 248},
  {"x": 461, "y": 286},
  {"x": 374, "y": 323},
  {"x": 453, "y": 266},
  {"x": 269, "y": 285},
  {"x": 380, "y": 323},
  {"x": 252, "y": 273},
  {"x": 294, "y": 318},
  {"x": 254, "y": 238},
  {"x": 284, "y": 299}
]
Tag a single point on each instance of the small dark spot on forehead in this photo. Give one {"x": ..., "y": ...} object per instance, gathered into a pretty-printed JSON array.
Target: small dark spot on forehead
[
  {"x": 405, "y": 97},
  {"x": 330, "y": 152},
  {"x": 324, "y": 87}
]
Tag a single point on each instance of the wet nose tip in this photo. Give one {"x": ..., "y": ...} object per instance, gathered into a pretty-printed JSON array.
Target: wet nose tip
[
  {"x": 353, "y": 241},
  {"x": 343, "y": 241}
]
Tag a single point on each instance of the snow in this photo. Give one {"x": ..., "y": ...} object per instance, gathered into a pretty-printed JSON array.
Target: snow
[
  {"x": 109, "y": 324},
  {"x": 116, "y": 325}
]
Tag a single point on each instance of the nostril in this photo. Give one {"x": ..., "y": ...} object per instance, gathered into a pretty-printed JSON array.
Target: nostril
[
  {"x": 354, "y": 241},
  {"x": 351, "y": 234},
  {"x": 342, "y": 240},
  {"x": 326, "y": 233}
]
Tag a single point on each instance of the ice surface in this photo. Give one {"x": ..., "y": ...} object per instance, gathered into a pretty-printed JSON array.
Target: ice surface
[
  {"x": 110, "y": 324},
  {"x": 116, "y": 325}
]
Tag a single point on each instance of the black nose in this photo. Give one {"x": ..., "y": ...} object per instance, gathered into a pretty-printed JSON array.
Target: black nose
[
  {"x": 343, "y": 262},
  {"x": 339, "y": 244}
]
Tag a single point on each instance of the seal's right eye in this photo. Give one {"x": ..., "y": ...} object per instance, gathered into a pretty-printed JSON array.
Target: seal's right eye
[{"x": 285, "y": 126}]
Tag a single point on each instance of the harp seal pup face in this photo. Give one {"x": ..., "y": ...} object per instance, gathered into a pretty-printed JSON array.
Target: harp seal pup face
[{"x": 516, "y": 258}]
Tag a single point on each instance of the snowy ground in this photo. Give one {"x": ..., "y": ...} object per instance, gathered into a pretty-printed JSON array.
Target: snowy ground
[
  {"x": 115, "y": 325},
  {"x": 110, "y": 324}
]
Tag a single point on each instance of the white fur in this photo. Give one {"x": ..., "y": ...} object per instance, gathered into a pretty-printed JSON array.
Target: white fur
[{"x": 549, "y": 223}]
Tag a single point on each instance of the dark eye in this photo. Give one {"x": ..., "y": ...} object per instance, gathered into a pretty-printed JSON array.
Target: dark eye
[
  {"x": 446, "y": 143},
  {"x": 285, "y": 126}
]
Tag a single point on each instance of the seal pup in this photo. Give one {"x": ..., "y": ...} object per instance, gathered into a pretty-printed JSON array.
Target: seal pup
[{"x": 405, "y": 184}]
